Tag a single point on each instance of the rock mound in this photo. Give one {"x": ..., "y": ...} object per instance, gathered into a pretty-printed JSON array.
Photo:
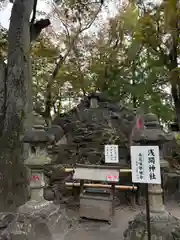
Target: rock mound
[{"x": 89, "y": 129}]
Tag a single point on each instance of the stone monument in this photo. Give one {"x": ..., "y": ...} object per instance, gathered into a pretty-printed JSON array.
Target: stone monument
[{"x": 163, "y": 224}]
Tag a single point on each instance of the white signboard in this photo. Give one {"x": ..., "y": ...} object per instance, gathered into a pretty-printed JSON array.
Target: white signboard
[
  {"x": 111, "y": 154},
  {"x": 145, "y": 164}
]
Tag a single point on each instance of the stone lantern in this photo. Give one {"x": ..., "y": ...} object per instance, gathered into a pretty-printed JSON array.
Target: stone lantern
[
  {"x": 38, "y": 218},
  {"x": 36, "y": 161},
  {"x": 152, "y": 134},
  {"x": 163, "y": 224}
]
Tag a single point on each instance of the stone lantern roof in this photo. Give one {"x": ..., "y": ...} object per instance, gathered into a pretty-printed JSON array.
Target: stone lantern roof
[{"x": 36, "y": 136}]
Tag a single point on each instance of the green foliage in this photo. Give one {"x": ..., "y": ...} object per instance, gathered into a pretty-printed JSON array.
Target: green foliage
[{"x": 127, "y": 58}]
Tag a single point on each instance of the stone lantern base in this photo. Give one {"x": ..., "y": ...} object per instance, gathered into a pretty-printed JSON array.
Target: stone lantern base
[
  {"x": 38, "y": 221},
  {"x": 164, "y": 226},
  {"x": 36, "y": 207}
]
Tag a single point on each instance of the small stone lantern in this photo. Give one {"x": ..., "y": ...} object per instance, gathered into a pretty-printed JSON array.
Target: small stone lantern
[
  {"x": 43, "y": 214},
  {"x": 38, "y": 158},
  {"x": 153, "y": 135}
]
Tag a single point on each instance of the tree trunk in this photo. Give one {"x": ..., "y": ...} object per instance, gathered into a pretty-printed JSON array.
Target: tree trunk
[
  {"x": 2, "y": 93},
  {"x": 173, "y": 62},
  {"x": 13, "y": 182},
  {"x": 174, "y": 79},
  {"x": 175, "y": 88}
]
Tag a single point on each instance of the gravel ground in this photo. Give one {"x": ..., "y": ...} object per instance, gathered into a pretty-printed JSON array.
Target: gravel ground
[{"x": 93, "y": 230}]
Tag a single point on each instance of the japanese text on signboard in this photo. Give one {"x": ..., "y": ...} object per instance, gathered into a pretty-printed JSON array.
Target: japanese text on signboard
[
  {"x": 145, "y": 164},
  {"x": 111, "y": 154},
  {"x": 151, "y": 162},
  {"x": 140, "y": 167}
]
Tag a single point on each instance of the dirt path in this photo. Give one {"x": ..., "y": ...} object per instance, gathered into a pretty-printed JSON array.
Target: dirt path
[{"x": 92, "y": 230}]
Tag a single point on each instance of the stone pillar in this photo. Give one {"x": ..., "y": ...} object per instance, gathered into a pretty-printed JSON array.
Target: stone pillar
[
  {"x": 37, "y": 183},
  {"x": 156, "y": 198},
  {"x": 35, "y": 163}
]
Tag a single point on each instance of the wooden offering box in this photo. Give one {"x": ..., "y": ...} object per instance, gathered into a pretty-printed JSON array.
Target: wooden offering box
[{"x": 96, "y": 204}]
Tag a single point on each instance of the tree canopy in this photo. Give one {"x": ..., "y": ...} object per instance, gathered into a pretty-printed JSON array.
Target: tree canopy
[{"x": 127, "y": 57}]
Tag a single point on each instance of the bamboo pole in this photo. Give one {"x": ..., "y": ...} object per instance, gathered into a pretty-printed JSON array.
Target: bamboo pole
[
  {"x": 97, "y": 185},
  {"x": 69, "y": 169},
  {"x": 120, "y": 170},
  {"x": 125, "y": 170}
]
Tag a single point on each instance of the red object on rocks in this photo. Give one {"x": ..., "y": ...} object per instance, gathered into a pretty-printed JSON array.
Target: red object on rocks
[{"x": 140, "y": 123}]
